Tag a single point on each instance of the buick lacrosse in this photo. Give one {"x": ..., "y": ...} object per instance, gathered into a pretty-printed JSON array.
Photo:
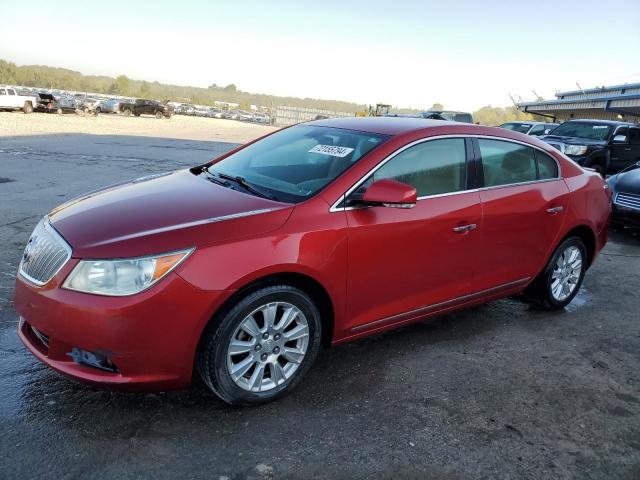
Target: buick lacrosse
[{"x": 321, "y": 233}]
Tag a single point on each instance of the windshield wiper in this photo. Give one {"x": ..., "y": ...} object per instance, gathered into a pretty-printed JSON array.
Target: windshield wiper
[{"x": 244, "y": 184}]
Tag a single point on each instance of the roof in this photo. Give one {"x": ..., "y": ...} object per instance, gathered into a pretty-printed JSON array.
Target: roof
[
  {"x": 528, "y": 122},
  {"x": 382, "y": 125},
  {"x": 600, "y": 89},
  {"x": 613, "y": 123},
  {"x": 624, "y": 96}
]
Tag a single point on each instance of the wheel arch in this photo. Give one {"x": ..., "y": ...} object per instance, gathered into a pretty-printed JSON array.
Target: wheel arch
[
  {"x": 302, "y": 281},
  {"x": 588, "y": 237}
]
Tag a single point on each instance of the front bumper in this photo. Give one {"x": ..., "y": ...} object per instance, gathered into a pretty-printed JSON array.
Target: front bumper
[
  {"x": 151, "y": 338},
  {"x": 627, "y": 217}
]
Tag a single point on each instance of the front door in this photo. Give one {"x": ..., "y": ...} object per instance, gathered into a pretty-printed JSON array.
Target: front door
[{"x": 402, "y": 261}]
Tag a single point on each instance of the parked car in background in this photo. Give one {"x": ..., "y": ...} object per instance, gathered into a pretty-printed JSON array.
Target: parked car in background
[
  {"x": 111, "y": 105},
  {"x": 320, "y": 233},
  {"x": 10, "y": 99},
  {"x": 625, "y": 192},
  {"x": 201, "y": 112},
  {"x": 59, "y": 104},
  {"x": 214, "y": 113},
  {"x": 448, "y": 115},
  {"x": 606, "y": 146},
  {"x": 537, "y": 129},
  {"x": 146, "y": 107},
  {"x": 244, "y": 116}
]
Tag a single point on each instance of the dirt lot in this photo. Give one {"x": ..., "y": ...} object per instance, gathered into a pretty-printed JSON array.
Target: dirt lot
[
  {"x": 179, "y": 126},
  {"x": 501, "y": 391}
]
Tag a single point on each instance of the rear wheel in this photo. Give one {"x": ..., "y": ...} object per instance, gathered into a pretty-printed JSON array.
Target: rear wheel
[
  {"x": 561, "y": 279},
  {"x": 97, "y": 112},
  {"x": 59, "y": 111},
  {"x": 127, "y": 112},
  {"x": 28, "y": 107},
  {"x": 262, "y": 346},
  {"x": 158, "y": 114}
]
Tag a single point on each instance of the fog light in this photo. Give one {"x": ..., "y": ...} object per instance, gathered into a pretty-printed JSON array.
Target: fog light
[{"x": 90, "y": 359}]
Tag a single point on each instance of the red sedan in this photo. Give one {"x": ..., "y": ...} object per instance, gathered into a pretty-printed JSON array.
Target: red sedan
[{"x": 314, "y": 235}]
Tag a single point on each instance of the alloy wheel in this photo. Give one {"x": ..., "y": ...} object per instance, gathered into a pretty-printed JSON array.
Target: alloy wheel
[
  {"x": 566, "y": 273},
  {"x": 268, "y": 347}
]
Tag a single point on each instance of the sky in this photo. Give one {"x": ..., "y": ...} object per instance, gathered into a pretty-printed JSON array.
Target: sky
[{"x": 409, "y": 53}]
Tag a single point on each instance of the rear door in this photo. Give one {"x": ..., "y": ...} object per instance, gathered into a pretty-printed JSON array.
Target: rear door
[
  {"x": 523, "y": 208},
  {"x": 634, "y": 145},
  {"x": 405, "y": 261},
  {"x": 12, "y": 98},
  {"x": 621, "y": 155}
]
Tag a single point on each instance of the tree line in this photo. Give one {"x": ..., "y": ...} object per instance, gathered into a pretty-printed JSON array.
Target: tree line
[{"x": 65, "y": 79}]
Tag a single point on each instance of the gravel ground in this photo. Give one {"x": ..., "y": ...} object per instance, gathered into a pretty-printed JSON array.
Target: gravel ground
[
  {"x": 501, "y": 391},
  {"x": 179, "y": 126}
]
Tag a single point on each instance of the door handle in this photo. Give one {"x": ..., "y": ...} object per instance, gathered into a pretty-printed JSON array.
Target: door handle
[
  {"x": 627, "y": 149},
  {"x": 555, "y": 210},
  {"x": 465, "y": 228}
]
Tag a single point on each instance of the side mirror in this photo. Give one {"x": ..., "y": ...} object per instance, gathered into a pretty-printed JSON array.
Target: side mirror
[
  {"x": 390, "y": 193},
  {"x": 619, "y": 139}
]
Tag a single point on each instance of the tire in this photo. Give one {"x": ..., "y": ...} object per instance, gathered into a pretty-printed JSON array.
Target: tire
[
  {"x": 97, "y": 111},
  {"x": 137, "y": 114},
  {"x": 27, "y": 108},
  {"x": 544, "y": 290},
  {"x": 59, "y": 111},
  {"x": 159, "y": 115},
  {"x": 127, "y": 112},
  {"x": 261, "y": 377}
]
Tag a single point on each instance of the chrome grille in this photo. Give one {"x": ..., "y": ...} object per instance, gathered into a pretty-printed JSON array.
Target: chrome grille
[
  {"x": 629, "y": 200},
  {"x": 45, "y": 254}
]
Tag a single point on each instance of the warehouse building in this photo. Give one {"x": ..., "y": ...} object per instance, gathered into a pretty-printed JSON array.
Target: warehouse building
[{"x": 619, "y": 102}]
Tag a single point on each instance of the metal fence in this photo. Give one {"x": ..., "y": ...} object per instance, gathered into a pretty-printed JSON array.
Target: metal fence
[{"x": 285, "y": 116}]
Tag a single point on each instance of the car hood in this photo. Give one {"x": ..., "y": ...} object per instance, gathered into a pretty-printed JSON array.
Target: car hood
[
  {"x": 574, "y": 140},
  {"x": 628, "y": 181},
  {"x": 161, "y": 213}
]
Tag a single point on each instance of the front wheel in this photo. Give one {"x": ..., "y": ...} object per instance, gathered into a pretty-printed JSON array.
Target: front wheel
[
  {"x": 159, "y": 115},
  {"x": 127, "y": 112},
  {"x": 561, "y": 279},
  {"x": 28, "y": 107},
  {"x": 262, "y": 347}
]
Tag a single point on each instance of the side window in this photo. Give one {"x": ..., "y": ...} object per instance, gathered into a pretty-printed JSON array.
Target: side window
[
  {"x": 10, "y": 91},
  {"x": 505, "y": 163},
  {"x": 547, "y": 166},
  {"x": 634, "y": 136},
  {"x": 432, "y": 167},
  {"x": 538, "y": 130},
  {"x": 3, "y": 91},
  {"x": 624, "y": 131}
]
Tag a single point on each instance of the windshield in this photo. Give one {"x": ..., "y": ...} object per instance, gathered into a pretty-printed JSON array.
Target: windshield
[
  {"x": 295, "y": 163},
  {"x": 591, "y": 131},
  {"x": 516, "y": 127}
]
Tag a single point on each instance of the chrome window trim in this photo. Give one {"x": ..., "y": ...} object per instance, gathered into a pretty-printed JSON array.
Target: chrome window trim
[
  {"x": 47, "y": 225},
  {"x": 365, "y": 177}
]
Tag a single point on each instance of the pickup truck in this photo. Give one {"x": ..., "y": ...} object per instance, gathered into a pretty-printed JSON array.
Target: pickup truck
[
  {"x": 10, "y": 99},
  {"x": 146, "y": 107},
  {"x": 606, "y": 146}
]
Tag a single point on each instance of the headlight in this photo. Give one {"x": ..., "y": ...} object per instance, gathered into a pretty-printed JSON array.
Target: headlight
[
  {"x": 122, "y": 277},
  {"x": 575, "y": 149}
]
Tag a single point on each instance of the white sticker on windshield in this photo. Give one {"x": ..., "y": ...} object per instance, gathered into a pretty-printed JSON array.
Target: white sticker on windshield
[
  {"x": 599, "y": 126},
  {"x": 331, "y": 150}
]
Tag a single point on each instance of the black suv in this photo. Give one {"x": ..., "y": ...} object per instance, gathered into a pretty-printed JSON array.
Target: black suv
[
  {"x": 603, "y": 145},
  {"x": 146, "y": 107}
]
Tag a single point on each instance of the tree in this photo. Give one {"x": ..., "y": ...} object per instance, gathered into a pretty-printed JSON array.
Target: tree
[
  {"x": 123, "y": 85},
  {"x": 8, "y": 72},
  {"x": 437, "y": 107},
  {"x": 145, "y": 89},
  {"x": 230, "y": 88}
]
